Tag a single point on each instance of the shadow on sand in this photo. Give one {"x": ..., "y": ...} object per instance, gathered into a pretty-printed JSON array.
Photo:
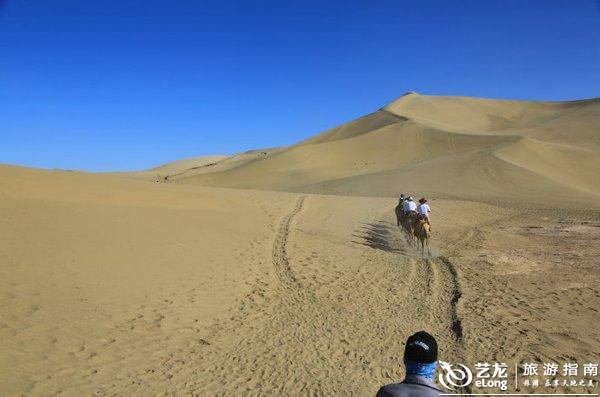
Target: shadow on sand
[{"x": 379, "y": 235}]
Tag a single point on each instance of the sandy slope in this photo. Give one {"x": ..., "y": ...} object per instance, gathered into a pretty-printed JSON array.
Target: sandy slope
[
  {"x": 101, "y": 275},
  {"x": 115, "y": 284}
]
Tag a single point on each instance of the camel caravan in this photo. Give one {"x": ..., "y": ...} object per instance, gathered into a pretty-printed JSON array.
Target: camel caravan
[{"x": 414, "y": 220}]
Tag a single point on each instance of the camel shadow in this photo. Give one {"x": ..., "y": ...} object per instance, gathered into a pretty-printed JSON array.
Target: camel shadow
[{"x": 378, "y": 235}]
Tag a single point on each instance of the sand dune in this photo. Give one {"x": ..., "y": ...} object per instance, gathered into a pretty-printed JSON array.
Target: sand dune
[
  {"x": 528, "y": 149},
  {"x": 282, "y": 271},
  {"x": 483, "y": 177},
  {"x": 571, "y": 166},
  {"x": 94, "y": 266},
  {"x": 479, "y": 115}
]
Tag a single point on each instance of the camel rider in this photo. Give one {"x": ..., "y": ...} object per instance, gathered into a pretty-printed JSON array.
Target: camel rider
[
  {"x": 423, "y": 211},
  {"x": 409, "y": 206},
  {"x": 401, "y": 200}
]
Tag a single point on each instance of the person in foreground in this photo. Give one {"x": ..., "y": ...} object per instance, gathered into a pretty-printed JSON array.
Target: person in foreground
[{"x": 420, "y": 360}]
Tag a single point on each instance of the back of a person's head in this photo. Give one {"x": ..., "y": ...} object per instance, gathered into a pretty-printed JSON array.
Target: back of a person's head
[{"x": 421, "y": 348}]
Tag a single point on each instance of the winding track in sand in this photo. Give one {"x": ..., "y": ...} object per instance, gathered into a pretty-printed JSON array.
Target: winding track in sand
[
  {"x": 304, "y": 341},
  {"x": 281, "y": 261},
  {"x": 431, "y": 292}
]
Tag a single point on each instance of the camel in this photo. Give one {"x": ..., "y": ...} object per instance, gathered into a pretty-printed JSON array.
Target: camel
[
  {"x": 399, "y": 215},
  {"x": 423, "y": 234},
  {"x": 409, "y": 224}
]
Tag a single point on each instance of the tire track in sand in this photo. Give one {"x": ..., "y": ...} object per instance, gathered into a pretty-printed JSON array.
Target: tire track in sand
[
  {"x": 281, "y": 261},
  {"x": 446, "y": 301},
  {"x": 305, "y": 342},
  {"x": 430, "y": 297},
  {"x": 433, "y": 288}
]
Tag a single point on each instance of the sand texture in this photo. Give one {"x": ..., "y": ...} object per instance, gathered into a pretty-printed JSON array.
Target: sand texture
[{"x": 282, "y": 272}]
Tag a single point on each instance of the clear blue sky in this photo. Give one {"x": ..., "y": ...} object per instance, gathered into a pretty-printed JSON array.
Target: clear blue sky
[{"x": 125, "y": 84}]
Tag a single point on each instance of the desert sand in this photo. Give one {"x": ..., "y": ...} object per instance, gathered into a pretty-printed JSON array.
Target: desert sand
[{"x": 281, "y": 271}]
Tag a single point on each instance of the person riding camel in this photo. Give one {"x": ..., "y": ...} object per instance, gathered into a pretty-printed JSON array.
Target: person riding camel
[
  {"x": 401, "y": 200},
  {"x": 399, "y": 210},
  {"x": 423, "y": 211},
  {"x": 409, "y": 206}
]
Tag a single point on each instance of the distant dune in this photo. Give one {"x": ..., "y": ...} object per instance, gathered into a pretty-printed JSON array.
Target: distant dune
[{"x": 481, "y": 149}]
